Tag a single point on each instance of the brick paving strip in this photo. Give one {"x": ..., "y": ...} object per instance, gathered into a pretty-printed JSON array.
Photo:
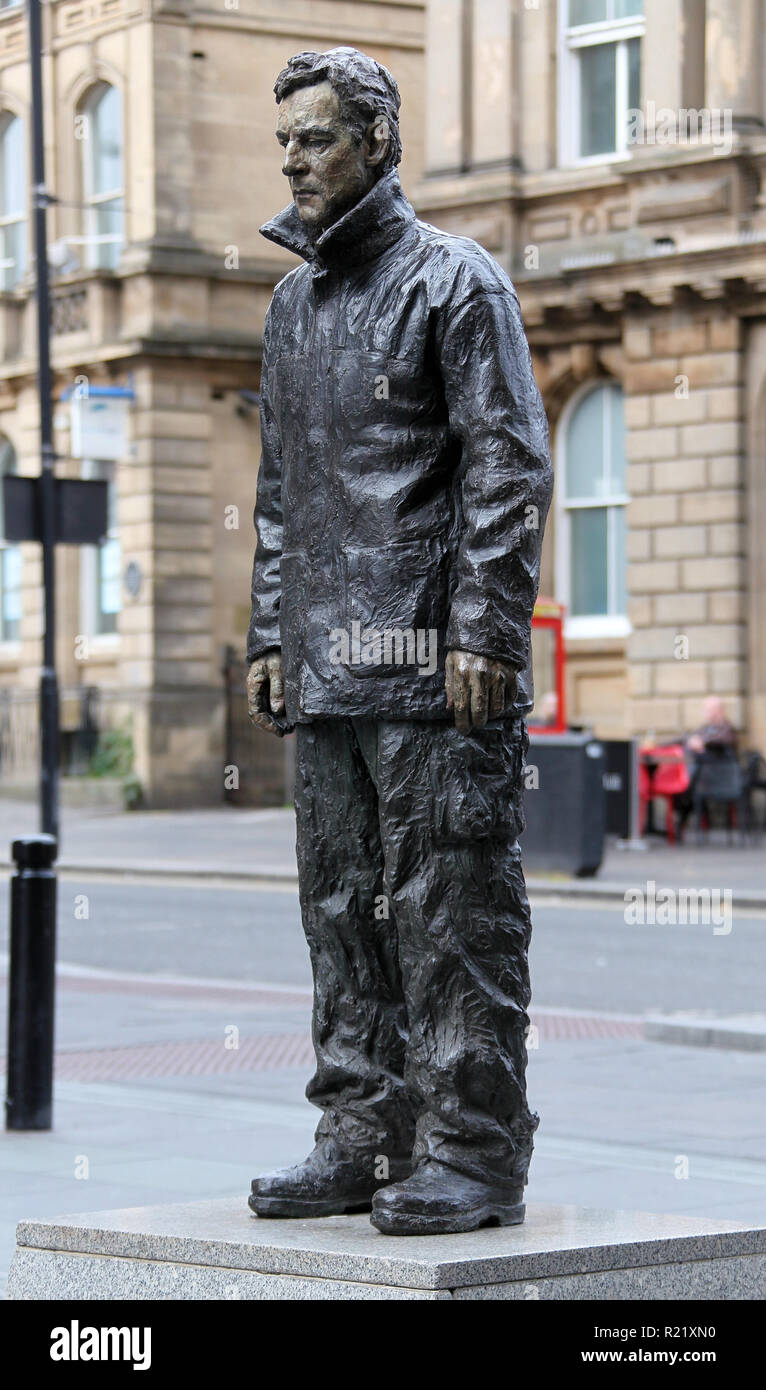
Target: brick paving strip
[
  {"x": 257, "y": 1053},
  {"x": 198, "y": 1057},
  {"x": 268, "y": 1052},
  {"x": 273, "y": 1051},
  {"x": 104, "y": 982}
]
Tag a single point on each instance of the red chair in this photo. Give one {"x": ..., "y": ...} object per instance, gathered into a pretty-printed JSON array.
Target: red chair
[
  {"x": 670, "y": 780},
  {"x": 644, "y": 793},
  {"x": 667, "y": 775}
]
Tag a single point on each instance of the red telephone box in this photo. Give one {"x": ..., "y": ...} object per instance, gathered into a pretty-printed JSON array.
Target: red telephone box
[{"x": 549, "y": 715}]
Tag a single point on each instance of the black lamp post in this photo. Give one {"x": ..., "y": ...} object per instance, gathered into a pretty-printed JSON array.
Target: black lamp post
[
  {"x": 50, "y": 510},
  {"x": 49, "y": 700}
]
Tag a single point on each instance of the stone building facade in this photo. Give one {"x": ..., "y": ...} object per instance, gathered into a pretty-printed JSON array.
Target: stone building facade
[
  {"x": 611, "y": 155},
  {"x": 160, "y": 122}
]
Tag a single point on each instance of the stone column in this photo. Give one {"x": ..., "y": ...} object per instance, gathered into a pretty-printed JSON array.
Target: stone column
[
  {"x": 733, "y": 58},
  {"x": 756, "y": 529},
  {"x": 173, "y": 148},
  {"x": 661, "y": 53},
  {"x": 445, "y": 123},
  {"x": 168, "y": 655},
  {"x": 535, "y": 95},
  {"x": 492, "y": 94}
]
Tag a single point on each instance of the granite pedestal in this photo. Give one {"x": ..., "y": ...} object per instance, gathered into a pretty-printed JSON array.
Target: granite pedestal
[{"x": 216, "y": 1250}]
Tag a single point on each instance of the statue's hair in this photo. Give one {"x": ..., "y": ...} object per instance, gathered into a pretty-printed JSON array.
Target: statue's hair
[{"x": 365, "y": 90}]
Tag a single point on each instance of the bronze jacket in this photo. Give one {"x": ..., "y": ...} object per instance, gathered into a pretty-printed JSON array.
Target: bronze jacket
[{"x": 405, "y": 475}]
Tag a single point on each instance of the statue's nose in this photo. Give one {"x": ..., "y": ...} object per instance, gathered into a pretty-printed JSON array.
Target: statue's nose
[{"x": 295, "y": 159}]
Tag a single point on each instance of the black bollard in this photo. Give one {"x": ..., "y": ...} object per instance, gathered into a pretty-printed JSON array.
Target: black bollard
[{"x": 31, "y": 984}]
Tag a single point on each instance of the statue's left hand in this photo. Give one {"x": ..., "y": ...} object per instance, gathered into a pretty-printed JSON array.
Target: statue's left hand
[
  {"x": 477, "y": 688},
  {"x": 266, "y": 692}
]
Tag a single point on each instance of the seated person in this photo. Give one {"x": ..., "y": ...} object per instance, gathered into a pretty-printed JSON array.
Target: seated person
[
  {"x": 715, "y": 731},
  {"x": 549, "y": 711},
  {"x": 716, "y": 734}
]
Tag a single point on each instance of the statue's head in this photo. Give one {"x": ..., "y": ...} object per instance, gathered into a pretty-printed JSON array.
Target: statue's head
[{"x": 339, "y": 127}]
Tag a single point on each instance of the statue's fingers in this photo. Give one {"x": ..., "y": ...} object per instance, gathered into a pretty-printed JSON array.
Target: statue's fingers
[
  {"x": 256, "y": 691},
  {"x": 496, "y": 695},
  {"x": 479, "y": 696},
  {"x": 264, "y": 721},
  {"x": 511, "y": 677},
  {"x": 277, "y": 692},
  {"x": 462, "y": 700},
  {"x": 449, "y": 679}
]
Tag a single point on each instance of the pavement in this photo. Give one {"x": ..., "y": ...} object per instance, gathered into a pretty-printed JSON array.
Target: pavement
[
  {"x": 183, "y": 1010},
  {"x": 259, "y": 845}
]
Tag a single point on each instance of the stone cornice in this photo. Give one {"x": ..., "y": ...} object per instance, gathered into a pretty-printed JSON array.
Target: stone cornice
[
  {"x": 594, "y": 300},
  {"x": 323, "y": 25},
  {"x": 209, "y": 347},
  {"x": 502, "y": 183}
]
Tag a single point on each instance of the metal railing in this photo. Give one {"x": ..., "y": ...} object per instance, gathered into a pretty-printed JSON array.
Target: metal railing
[{"x": 86, "y": 712}]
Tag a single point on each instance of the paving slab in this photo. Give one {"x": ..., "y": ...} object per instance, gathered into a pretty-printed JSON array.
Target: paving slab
[{"x": 215, "y": 1250}]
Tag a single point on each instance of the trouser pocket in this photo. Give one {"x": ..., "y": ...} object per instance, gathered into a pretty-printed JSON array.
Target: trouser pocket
[{"x": 476, "y": 783}]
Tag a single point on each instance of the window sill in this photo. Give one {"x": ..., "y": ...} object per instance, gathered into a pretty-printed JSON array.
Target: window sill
[
  {"x": 592, "y": 161},
  {"x": 596, "y": 628},
  {"x": 104, "y": 644},
  {"x": 10, "y": 653}
]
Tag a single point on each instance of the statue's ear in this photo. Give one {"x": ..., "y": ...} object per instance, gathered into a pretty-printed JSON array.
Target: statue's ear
[{"x": 377, "y": 139}]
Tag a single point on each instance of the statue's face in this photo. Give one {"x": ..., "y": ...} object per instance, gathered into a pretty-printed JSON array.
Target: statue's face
[{"x": 328, "y": 168}]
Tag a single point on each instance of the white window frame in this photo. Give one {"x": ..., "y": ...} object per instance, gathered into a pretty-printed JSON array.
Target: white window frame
[
  {"x": 93, "y": 240},
  {"x": 597, "y": 625},
  {"x": 16, "y": 218},
  {"x": 572, "y": 40},
  {"x": 100, "y": 643}
]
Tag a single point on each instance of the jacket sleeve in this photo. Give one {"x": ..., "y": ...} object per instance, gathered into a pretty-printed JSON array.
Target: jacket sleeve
[
  {"x": 505, "y": 475},
  {"x": 266, "y": 589}
]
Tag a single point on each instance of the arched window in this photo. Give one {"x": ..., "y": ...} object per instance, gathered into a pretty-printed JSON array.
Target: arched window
[
  {"x": 10, "y": 560},
  {"x": 103, "y": 177},
  {"x": 13, "y": 203},
  {"x": 591, "y": 513}
]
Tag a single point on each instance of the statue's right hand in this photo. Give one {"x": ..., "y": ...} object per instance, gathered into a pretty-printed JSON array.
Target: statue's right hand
[{"x": 266, "y": 692}]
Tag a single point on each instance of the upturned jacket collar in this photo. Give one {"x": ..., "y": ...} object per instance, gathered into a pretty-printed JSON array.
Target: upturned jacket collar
[{"x": 373, "y": 224}]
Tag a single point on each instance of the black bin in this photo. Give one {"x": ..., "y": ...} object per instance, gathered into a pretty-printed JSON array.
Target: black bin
[{"x": 565, "y": 804}]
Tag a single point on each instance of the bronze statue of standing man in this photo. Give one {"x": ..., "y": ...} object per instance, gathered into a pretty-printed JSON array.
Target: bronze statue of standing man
[{"x": 402, "y": 495}]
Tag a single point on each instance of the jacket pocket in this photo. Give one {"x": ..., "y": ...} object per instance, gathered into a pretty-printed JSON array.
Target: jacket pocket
[{"x": 396, "y": 606}]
